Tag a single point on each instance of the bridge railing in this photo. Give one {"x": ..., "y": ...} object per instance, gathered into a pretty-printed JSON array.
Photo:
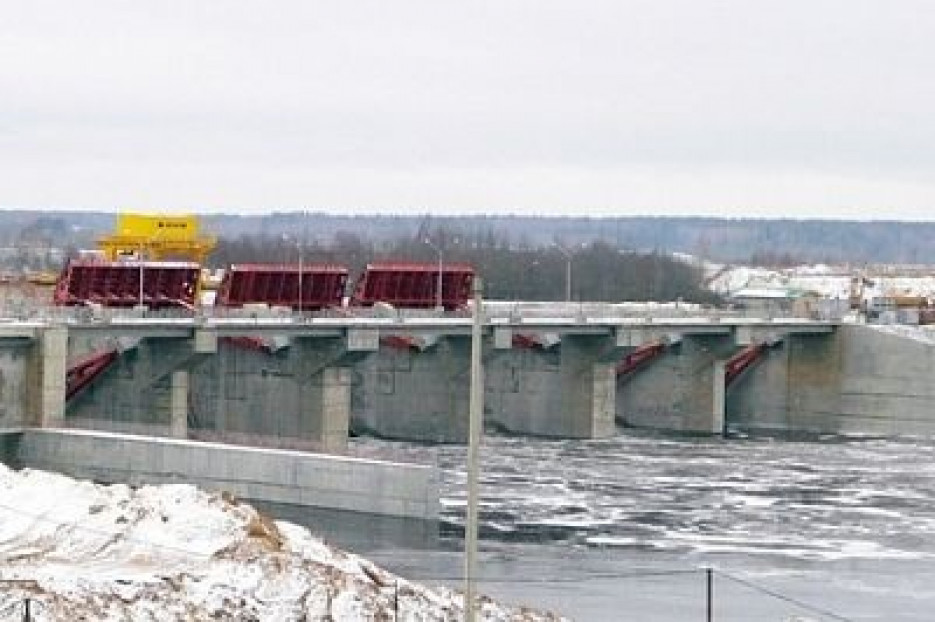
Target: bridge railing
[{"x": 497, "y": 310}]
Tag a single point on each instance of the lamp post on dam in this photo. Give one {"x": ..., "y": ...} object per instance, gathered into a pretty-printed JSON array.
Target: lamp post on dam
[{"x": 438, "y": 286}]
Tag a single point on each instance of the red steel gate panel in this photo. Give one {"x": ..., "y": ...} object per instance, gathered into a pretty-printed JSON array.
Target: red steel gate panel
[
  {"x": 414, "y": 285},
  {"x": 311, "y": 287},
  {"x": 117, "y": 284}
]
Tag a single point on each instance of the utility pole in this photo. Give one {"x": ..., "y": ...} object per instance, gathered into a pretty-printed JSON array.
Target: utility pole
[{"x": 473, "y": 457}]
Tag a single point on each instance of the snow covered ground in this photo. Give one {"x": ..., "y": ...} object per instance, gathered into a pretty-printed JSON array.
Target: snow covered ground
[
  {"x": 79, "y": 550},
  {"x": 830, "y": 281}
]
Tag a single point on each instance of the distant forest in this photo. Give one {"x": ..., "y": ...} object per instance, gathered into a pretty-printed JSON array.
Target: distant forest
[
  {"x": 520, "y": 257},
  {"x": 715, "y": 239}
]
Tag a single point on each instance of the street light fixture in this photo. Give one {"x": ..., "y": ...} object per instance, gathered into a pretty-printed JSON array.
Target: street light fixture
[
  {"x": 438, "y": 286},
  {"x": 147, "y": 244},
  {"x": 301, "y": 277},
  {"x": 302, "y": 242},
  {"x": 140, "y": 259},
  {"x": 287, "y": 241},
  {"x": 568, "y": 255}
]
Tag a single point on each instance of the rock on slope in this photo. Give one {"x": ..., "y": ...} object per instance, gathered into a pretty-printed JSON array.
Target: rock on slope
[{"x": 82, "y": 551}]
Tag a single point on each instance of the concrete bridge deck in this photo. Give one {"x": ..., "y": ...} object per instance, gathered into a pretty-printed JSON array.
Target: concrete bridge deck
[{"x": 572, "y": 372}]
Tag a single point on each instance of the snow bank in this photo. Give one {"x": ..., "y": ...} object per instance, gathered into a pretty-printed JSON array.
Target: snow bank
[{"x": 84, "y": 551}]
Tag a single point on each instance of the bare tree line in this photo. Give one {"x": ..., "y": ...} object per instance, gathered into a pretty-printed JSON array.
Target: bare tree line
[{"x": 511, "y": 271}]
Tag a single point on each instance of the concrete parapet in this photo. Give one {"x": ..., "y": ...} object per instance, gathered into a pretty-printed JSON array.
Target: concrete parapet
[{"x": 315, "y": 480}]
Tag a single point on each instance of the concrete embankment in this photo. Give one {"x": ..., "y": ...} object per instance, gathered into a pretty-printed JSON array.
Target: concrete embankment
[
  {"x": 867, "y": 380},
  {"x": 333, "y": 483}
]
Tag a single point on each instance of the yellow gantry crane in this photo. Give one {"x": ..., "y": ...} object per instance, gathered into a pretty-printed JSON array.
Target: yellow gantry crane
[{"x": 157, "y": 238}]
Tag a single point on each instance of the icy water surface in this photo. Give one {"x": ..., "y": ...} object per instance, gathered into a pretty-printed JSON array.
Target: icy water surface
[{"x": 592, "y": 527}]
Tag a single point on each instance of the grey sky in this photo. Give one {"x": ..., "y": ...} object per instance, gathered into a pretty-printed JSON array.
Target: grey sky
[{"x": 730, "y": 107}]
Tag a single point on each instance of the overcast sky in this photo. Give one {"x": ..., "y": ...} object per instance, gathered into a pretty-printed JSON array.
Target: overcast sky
[{"x": 799, "y": 108}]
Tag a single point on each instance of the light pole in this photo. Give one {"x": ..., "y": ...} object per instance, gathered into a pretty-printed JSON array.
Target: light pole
[
  {"x": 568, "y": 255},
  {"x": 146, "y": 243},
  {"x": 301, "y": 245},
  {"x": 301, "y": 277},
  {"x": 438, "y": 286},
  {"x": 140, "y": 258}
]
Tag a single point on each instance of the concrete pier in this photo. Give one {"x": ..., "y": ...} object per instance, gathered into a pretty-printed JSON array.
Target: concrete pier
[
  {"x": 415, "y": 394},
  {"x": 300, "y": 392},
  {"x": 677, "y": 392},
  {"x": 46, "y": 369},
  {"x": 141, "y": 389},
  {"x": 565, "y": 391},
  {"x": 858, "y": 380},
  {"x": 178, "y": 413},
  {"x": 406, "y": 378}
]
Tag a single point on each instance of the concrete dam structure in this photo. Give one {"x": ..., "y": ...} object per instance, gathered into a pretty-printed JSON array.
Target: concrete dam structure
[{"x": 309, "y": 382}]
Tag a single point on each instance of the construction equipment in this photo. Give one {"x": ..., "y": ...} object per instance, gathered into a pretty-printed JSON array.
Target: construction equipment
[
  {"x": 83, "y": 372},
  {"x": 42, "y": 278},
  {"x": 157, "y": 238}
]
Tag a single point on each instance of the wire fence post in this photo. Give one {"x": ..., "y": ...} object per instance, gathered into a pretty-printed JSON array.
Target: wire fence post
[
  {"x": 709, "y": 594},
  {"x": 27, "y": 611}
]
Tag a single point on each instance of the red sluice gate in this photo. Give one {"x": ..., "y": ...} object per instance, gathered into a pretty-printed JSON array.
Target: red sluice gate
[
  {"x": 414, "y": 285},
  {"x": 118, "y": 284},
  {"x": 742, "y": 360},
  {"x": 83, "y": 372},
  {"x": 308, "y": 287},
  {"x": 640, "y": 356}
]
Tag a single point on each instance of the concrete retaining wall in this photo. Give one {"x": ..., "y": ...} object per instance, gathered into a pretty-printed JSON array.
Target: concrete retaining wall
[
  {"x": 312, "y": 480},
  {"x": 858, "y": 380}
]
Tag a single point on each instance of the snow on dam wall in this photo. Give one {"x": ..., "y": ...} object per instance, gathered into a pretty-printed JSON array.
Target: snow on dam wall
[
  {"x": 861, "y": 379},
  {"x": 340, "y": 483}
]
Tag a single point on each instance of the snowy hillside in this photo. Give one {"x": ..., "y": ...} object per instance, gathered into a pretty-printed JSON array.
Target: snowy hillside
[
  {"x": 829, "y": 281},
  {"x": 84, "y": 551}
]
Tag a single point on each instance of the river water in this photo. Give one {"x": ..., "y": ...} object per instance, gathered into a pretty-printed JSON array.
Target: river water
[{"x": 621, "y": 529}]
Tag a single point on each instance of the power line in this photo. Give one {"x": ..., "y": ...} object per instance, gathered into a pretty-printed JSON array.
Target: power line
[
  {"x": 580, "y": 579},
  {"x": 789, "y": 599},
  {"x": 631, "y": 574}
]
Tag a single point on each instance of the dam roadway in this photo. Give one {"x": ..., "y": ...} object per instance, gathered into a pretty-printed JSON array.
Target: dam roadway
[{"x": 315, "y": 378}]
